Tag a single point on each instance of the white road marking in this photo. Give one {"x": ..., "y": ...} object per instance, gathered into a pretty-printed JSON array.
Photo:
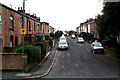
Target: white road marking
[
  {"x": 76, "y": 65},
  {"x": 63, "y": 56},
  {"x": 69, "y": 73},
  {"x": 83, "y": 44},
  {"x": 62, "y": 66},
  {"x": 68, "y": 54}
]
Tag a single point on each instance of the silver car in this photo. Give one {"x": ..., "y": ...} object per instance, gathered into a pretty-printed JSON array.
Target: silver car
[
  {"x": 97, "y": 47},
  {"x": 73, "y": 36},
  {"x": 80, "y": 40}
]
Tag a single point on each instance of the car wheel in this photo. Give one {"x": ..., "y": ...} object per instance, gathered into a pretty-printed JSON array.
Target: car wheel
[
  {"x": 91, "y": 50},
  {"x": 67, "y": 48},
  {"x": 103, "y": 51},
  {"x": 58, "y": 49},
  {"x": 94, "y": 51}
]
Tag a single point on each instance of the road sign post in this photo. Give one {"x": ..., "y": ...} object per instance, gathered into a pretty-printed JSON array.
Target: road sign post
[{"x": 23, "y": 32}]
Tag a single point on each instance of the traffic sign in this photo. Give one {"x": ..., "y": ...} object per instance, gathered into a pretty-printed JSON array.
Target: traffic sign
[{"x": 23, "y": 31}]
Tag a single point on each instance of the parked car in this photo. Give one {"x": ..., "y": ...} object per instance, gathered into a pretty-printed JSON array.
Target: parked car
[
  {"x": 62, "y": 38},
  {"x": 80, "y": 40},
  {"x": 73, "y": 36},
  {"x": 63, "y": 45},
  {"x": 63, "y": 35},
  {"x": 97, "y": 47}
]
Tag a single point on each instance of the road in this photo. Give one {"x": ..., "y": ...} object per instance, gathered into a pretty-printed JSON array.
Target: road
[{"x": 79, "y": 62}]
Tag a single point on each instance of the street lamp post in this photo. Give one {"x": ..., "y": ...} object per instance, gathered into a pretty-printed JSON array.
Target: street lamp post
[{"x": 23, "y": 36}]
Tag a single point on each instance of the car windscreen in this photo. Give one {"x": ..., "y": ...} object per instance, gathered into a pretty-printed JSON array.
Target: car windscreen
[
  {"x": 62, "y": 42},
  {"x": 80, "y": 38},
  {"x": 97, "y": 44},
  {"x": 62, "y": 39},
  {"x": 73, "y": 35}
]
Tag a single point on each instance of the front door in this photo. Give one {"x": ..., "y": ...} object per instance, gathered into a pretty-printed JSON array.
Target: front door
[
  {"x": 16, "y": 41},
  {"x": 0, "y": 45},
  {"x": 11, "y": 40}
]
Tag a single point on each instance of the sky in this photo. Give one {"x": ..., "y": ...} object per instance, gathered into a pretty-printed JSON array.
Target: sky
[{"x": 60, "y": 14}]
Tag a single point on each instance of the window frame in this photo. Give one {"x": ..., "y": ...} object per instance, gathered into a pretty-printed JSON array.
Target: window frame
[
  {"x": 29, "y": 25},
  {"x": 11, "y": 22},
  {"x": 0, "y": 18},
  {"x": 38, "y": 27},
  {"x": 34, "y": 27}
]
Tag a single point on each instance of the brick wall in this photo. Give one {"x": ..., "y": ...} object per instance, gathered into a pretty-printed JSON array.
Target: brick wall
[{"x": 16, "y": 31}]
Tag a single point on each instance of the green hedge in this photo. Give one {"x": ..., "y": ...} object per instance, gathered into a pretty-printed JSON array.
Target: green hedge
[
  {"x": 47, "y": 37},
  {"x": 76, "y": 35},
  {"x": 32, "y": 52},
  {"x": 118, "y": 49},
  {"x": 52, "y": 35},
  {"x": 43, "y": 48}
]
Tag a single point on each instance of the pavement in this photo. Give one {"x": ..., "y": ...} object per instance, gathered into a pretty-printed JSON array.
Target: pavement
[
  {"x": 112, "y": 55},
  {"x": 39, "y": 71}
]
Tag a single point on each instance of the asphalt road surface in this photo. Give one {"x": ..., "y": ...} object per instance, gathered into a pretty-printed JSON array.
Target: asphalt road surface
[{"x": 79, "y": 62}]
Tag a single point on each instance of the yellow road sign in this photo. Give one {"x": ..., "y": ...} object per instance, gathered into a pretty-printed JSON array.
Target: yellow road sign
[{"x": 23, "y": 31}]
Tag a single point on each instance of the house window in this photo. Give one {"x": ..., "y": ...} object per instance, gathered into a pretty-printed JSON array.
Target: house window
[
  {"x": 0, "y": 18},
  {"x": 29, "y": 26},
  {"x": 34, "y": 26},
  {"x": 38, "y": 27},
  {"x": 11, "y": 22}
]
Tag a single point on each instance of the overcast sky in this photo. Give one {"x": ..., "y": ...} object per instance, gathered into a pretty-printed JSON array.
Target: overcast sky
[{"x": 61, "y": 14}]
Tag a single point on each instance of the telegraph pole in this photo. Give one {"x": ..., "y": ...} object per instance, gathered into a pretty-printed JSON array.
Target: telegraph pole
[{"x": 23, "y": 36}]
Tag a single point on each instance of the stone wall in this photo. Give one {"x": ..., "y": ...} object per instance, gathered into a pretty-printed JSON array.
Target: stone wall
[{"x": 11, "y": 61}]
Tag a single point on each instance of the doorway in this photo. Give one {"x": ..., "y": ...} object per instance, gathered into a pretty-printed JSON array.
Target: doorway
[{"x": 1, "y": 45}]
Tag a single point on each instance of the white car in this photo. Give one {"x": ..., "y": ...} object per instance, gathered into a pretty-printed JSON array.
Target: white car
[
  {"x": 62, "y": 39},
  {"x": 63, "y": 35},
  {"x": 62, "y": 45},
  {"x": 73, "y": 36},
  {"x": 97, "y": 47},
  {"x": 80, "y": 40}
]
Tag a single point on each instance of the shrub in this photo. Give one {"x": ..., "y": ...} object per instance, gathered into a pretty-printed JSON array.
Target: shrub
[
  {"x": 118, "y": 48},
  {"x": 47, "y": 37},
  {"x": 25, "y": 43},
  {"x": 106, "y": 42},
  {"x": 43, "y": 48},
  {"x": 76, "y": 35},
  {"x": 32, "y": 52},
  {"x": 52, "y": 35}
]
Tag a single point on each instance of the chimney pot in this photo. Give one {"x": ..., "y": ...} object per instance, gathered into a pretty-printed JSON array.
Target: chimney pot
[{"x": 18, "y": 8}]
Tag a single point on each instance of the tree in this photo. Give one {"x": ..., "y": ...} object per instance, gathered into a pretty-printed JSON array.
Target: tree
[
  {"x": 58, "y": 34},
  {"x": 108, "y": 24}
]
